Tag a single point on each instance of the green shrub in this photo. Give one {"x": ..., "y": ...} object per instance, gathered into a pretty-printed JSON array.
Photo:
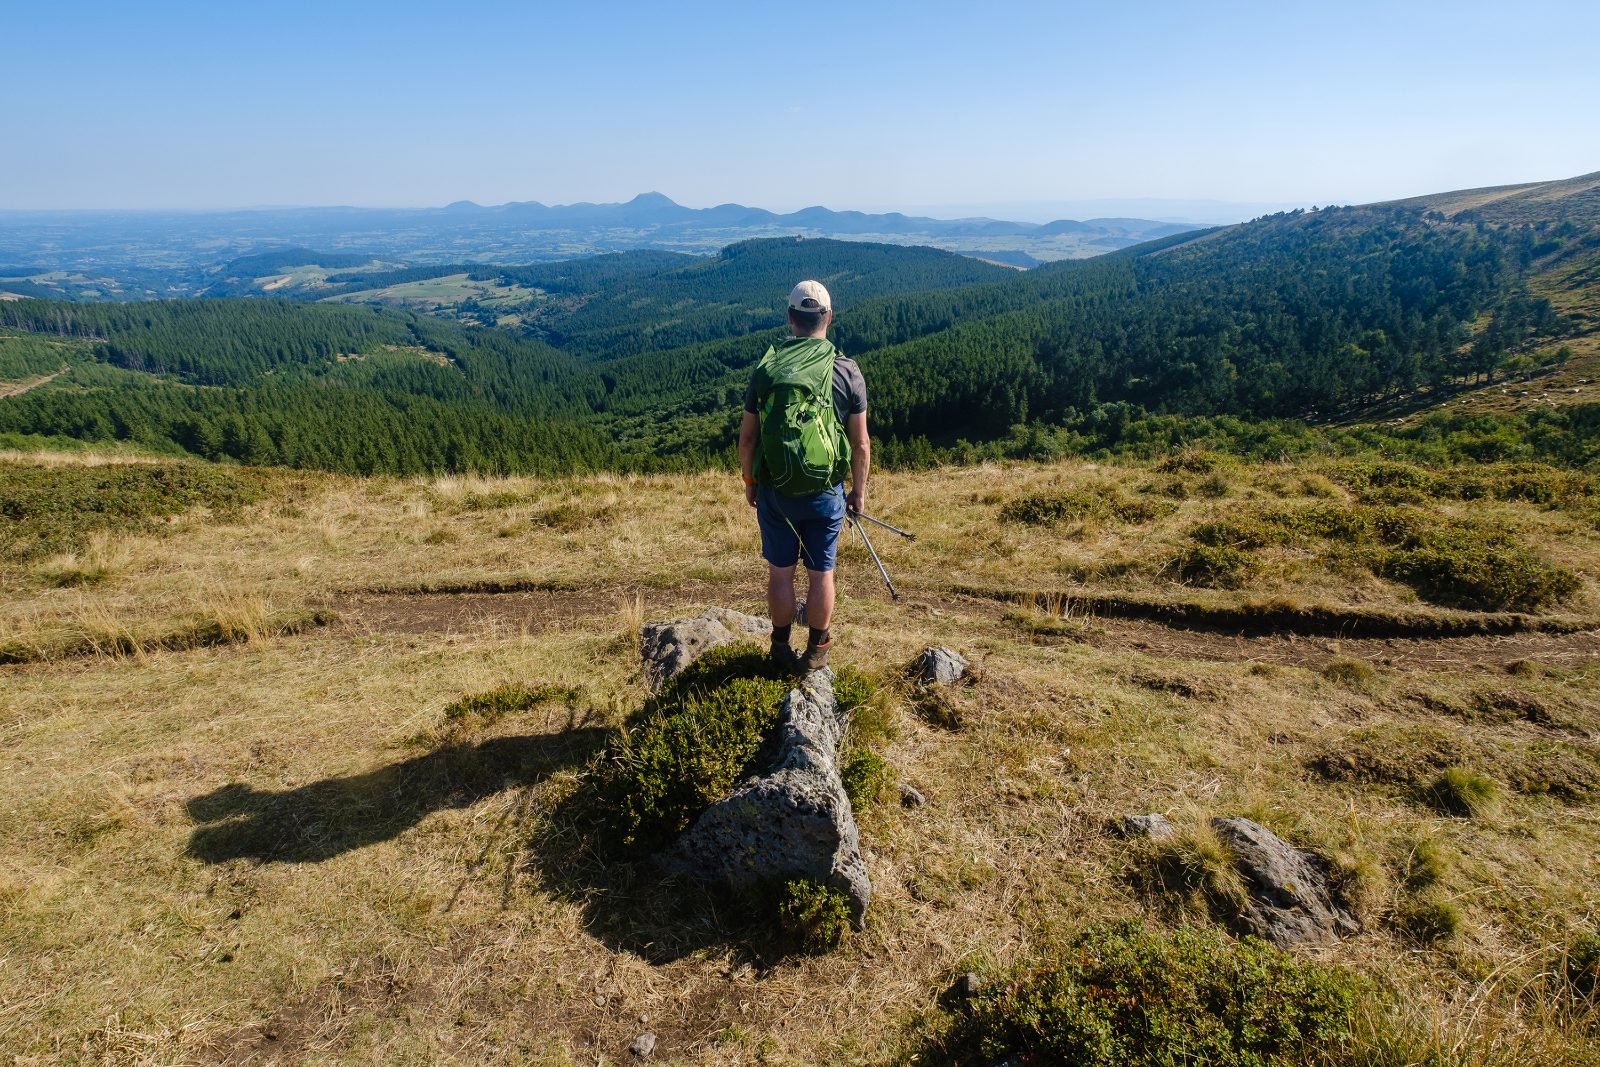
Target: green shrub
[
  {"x": 490, "y": 707},
  {"x": 1533, "y": 483},
  {"x": 866, "y": 778},
  {"x": 1446, "y": 563},
  {"x": 1357, "y": 527},
  {"x": 1581, "y": 965},
  {"x": 1392, "y": 483},
  {"x": 1238, "y": 533},
  {"x": 1218, "y": 567},
  {"x": 1134, "y": 998},
  {"x": 1458, "y": 791},
  {"x": 54, "y": 509},
  {"x": 688, "y": 746},
  {"x": 1193, "y": 461},
  {"x": 1106, "y": 502},
  {"x": 1428, "y": 920},
  {"x": 1040, "y": 509},
  {"x": 1488, "y": 573},
  {"x": 814, "y": 916}
]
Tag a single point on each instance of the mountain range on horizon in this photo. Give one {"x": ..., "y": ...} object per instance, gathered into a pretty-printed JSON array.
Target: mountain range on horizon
[
  {"x": 165, "y": 253},
  {"x": 655, "y": 210}
]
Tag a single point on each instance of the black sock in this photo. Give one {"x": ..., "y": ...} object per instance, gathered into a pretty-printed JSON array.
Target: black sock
[
  {"x": 780, "y": 634},
  {"x": 818, "y": 637}
]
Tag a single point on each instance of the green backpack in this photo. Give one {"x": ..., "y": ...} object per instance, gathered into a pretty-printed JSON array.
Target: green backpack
[{"x": 803, "y": 450}]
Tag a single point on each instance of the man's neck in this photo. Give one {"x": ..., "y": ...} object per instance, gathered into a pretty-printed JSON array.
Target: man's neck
[{"x": 823, "y": 336}]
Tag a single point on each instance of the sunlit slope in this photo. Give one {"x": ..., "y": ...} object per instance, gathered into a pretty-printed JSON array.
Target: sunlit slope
[
  {"x": 1575, "y": 200},
  {"x": 291, "y": 756}
]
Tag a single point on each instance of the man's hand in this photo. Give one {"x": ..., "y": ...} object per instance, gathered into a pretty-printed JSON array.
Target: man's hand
[
  {"x": 750, "y": 494},
  {"x": 856, "y": 500}
]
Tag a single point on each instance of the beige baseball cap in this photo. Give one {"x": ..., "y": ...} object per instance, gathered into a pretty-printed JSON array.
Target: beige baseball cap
[{"x": 809, "y": 291}]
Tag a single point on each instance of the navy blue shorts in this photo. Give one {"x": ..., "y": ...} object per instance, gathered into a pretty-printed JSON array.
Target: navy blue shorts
[{"x": 800, "y": 529}]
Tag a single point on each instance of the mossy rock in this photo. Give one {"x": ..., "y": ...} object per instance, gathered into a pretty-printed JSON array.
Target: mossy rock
[{"x": 688, "y": 746}]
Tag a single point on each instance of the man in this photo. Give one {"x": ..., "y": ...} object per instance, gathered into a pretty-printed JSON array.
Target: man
[{"x": 801, "y": 445}]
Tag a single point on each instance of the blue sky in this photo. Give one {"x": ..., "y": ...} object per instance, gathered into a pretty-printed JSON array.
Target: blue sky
[{"x": 873, "y": 105}]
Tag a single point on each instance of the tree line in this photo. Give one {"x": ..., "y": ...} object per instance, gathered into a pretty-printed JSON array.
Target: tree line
[{"x": 1290, "y": 316}]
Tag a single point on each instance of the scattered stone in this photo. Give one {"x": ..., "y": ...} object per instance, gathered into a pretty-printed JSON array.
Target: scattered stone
[
  {"x": 791, "y": 821},
  {"x": 644, "y": 1044},
  {"x": 1155, "y": 825},
  {"x": 911, "y": 796},
  {"x": 939, "y": 666},
  {"x": 1290, "y": 903},
  {"x": 667, "y": 648}
]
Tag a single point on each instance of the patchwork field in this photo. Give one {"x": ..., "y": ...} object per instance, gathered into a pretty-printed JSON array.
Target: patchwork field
[{"x": 245, "y": 824}]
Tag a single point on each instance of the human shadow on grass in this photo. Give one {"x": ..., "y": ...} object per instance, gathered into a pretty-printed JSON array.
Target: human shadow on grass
[
  {"x": 327, "y": 818},
  {"x": 631, "y": 905}
]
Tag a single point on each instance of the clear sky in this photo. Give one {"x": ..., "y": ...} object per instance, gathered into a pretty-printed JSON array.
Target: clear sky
[{"x": 783, "y": 105}]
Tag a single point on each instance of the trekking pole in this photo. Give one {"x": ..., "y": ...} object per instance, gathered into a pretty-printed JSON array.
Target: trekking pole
[
  {"x": 879, "y": 522},
  {"x": 856, "y": 521}
]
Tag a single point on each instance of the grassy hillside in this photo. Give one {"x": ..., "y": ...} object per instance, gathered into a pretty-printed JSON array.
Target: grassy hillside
[
  {"x": 251, "y": 821},
  {"x": 1576, "y": 200}
]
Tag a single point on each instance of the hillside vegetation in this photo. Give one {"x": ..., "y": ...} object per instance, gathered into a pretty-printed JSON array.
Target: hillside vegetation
[
  {"x": 296, "y": 763},
  {"x": 638, "y": 361}
]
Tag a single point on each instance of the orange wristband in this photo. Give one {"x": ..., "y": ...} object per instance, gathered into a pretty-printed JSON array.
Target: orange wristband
[{"x": 749, "y": 481}]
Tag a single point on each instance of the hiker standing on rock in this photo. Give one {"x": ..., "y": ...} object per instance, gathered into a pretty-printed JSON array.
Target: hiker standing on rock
[{"x": 804, "y": 429}]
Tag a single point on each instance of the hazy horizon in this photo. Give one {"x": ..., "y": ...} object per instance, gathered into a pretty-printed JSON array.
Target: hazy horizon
[{"x": 1197, "y": 212}]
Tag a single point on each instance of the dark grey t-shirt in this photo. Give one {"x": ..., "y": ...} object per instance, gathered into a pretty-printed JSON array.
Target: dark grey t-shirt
[{"x": 849, "y": 390}]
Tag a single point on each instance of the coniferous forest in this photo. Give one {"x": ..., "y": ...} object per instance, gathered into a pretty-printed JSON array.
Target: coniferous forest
[{"x": 638, "y": 360}]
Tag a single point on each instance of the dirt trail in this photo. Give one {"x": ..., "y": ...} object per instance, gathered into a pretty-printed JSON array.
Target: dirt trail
[
  {"x": 540, "y": 611},
  {"x": 10, "y": 389},
  {"x": 1416, "y": 654}
]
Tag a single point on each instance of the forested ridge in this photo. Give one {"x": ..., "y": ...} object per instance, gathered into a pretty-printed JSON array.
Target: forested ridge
[{"x": 1288, "y": 317}]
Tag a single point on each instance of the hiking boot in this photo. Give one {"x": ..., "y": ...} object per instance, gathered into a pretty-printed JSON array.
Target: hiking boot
[
  {"x": 783, "y": 655},
  {"x": 816, "y": 657}
]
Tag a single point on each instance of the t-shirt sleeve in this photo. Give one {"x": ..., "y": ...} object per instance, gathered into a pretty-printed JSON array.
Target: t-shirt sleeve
[
  {"x": 855, "y": 389},
  {"x": 750, "y": 397}
]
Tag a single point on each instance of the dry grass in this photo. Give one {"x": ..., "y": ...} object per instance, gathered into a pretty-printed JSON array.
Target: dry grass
[{"x": 275, "y": 850}]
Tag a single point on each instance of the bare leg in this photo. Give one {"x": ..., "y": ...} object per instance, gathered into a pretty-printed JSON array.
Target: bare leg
[
  {"x": 819, "y": 599},
  {"x": 780, "y": 595}
]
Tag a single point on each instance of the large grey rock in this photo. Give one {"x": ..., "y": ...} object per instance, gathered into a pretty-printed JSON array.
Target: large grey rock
[
  {"x": 1290, "y": 903},
  {"x": 793, "y": 820},
  {"x": 939, "y": 666},
  {"x": 669, "y": 647}
]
